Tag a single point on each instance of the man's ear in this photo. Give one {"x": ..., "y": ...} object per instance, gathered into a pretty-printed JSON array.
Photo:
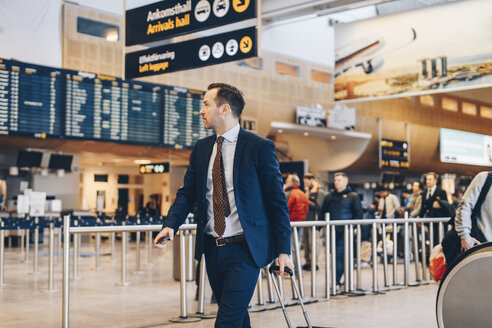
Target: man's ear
[{"x": 226, "y": 108}]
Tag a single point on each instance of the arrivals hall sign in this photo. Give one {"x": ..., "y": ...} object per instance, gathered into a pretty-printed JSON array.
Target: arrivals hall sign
[{"x": 170, "y": 18}]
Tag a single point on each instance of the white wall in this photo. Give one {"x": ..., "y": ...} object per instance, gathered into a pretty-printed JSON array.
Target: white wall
[
  {"x": 310, "y": 39},
  {"x": 31, "y": 31}
]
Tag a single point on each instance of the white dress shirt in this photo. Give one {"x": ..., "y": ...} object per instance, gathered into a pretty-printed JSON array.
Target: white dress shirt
[
  {"x": 430, "y": 192},
  {"x": 233, "y": 225}
]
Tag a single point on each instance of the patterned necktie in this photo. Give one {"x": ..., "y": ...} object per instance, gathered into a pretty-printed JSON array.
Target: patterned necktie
[{"x": 220, "y": 199}]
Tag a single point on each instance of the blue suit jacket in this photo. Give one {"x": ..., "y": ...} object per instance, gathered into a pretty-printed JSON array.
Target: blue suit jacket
[{"x": 258, "y": 190}]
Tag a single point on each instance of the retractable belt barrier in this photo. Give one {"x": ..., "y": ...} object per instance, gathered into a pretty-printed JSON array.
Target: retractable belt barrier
[{"x": 411, "y": 230}]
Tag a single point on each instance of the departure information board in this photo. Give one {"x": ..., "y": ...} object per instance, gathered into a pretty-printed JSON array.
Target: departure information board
[
  {"x": 36, "y": 100},
  {"x": 183, "y": 125},
  {"x": 45, "y": 102},
  {"x": 4, "y": 96}
]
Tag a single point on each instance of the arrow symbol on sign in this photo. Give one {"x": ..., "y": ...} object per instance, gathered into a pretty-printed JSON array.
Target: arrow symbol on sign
[
  {"x": 245, "y": 44},
  {"x": 241, "y": 2}
]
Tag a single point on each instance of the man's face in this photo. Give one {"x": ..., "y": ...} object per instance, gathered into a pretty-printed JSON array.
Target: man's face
[
  {"x": 308, "y": 182},
  {"x": 430, "y": 181},
  {"x": 383, "y": 193},
  {"x": 415, "y": 187},
  {"x": 340, "y": 183},
  {"x": 210, "y": 112}
]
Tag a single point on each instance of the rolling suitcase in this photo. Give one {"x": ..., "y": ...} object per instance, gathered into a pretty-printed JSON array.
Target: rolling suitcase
[{"x": 272, "y": 271}]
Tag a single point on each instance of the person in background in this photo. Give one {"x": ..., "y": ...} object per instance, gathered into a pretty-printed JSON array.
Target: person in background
[
  {"x": 297, "y": 200},
  {"x": 435, "y": 203},
  {"x": 463, "y": 219},
  {"x": 413, "y": 207},
  {"x": 388, "y": 203},
  {"x": 406, "y": 197},
  {"x": 315, "y": 194},
  {"x": 343, "y": 204}
]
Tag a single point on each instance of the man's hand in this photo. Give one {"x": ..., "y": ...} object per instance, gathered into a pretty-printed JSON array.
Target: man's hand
[
  {"x": 283, "y": 261},
  {"x": 436, "y": 204},
  {"x": 468, "y": 243},
  {"x": 166, "y": 232}
]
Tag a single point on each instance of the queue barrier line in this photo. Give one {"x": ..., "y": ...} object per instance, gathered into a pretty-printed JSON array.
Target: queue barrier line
[{"x": 410, "y": 227}]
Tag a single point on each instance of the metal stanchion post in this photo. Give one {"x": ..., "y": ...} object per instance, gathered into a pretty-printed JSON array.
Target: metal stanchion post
[
  {"x": 66, "y": 271},
  {"x": 98, "y": 251},
  {"x": 124, "y": 241},
  {"x": 59, "y": 245},
  {"x": 406, "y": 250},
  {"x": 182, "y": 264},
  {"x": 113, "y": 242},
  {"x": 51, "y": 256},
  {"x": 333, "y": 262},
  {"x": 424, "y": 255},
  {"x": 314, "y": 257},
  {"x": 189, "y": 256},
  {"x": 76, "y": 256},
  {"x": 36, "y": 246},
  {"x": 271, "y": 299},
  {"x": 259, "y": 291},
  {"x": 374, "y": 259},
  {"x": 431, "y": 237},
  {"x": 359, "y": 258},
  {"x": 327, "y": 256},
  {"x": 385, "y": 255},
  {"x": 149, "y": 246},
  {"x": 346, "y": 258},
  {"x": 441, "y": 231},
  {"x": 23, "y": 240},
  {"x": 416, "y": 251},
  {"x": 27, "y": 244},
  {"x": 351, "y": 257},
  {"x": 201, "y": 287},
  {"x": 395, "y": 254},
  {"x": 297, "y": 254},
  {"x": 2, "y": 255}
]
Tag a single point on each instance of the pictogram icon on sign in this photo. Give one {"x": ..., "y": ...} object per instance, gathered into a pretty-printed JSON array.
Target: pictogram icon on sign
[
  {"x": 202, "y": 10},
  {"x": 217, "y": 50},
  {"x": 246, "y": 44},
  {"x": 221, "y": 7},
  {"x": 232, "y": 47},
  {"x": 204, "y": 52},
  {"x": 240, "y": 5}
]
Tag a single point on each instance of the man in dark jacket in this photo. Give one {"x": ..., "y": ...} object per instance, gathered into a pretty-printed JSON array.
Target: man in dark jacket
[
  {"x": 434, "y": 203},
  {"x": 342, "y": 204}
]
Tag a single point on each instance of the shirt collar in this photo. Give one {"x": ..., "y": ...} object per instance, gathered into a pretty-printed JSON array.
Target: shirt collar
[{"x": 231, "y": 134}]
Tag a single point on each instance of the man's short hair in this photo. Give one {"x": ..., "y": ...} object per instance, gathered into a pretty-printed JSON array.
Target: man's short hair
[
  {"x": 229, "y": 94},
  {"x": 295, "y": 179},
  {"x": 340, "y": 174},
  {"x": 436, "y": 176},
  {"x": 309, "y": 175}
]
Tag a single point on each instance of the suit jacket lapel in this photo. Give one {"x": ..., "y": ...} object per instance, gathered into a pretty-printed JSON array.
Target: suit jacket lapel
[{"x": 237, "y": 155}]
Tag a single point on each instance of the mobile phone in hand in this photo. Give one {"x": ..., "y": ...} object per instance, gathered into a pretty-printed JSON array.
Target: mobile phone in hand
[{"x": 163, "y": 240}]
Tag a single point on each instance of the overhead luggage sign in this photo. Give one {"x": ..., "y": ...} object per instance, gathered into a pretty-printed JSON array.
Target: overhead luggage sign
[
  {"x": 216, "y": 49},
  {"x": 170, "y": 18}
]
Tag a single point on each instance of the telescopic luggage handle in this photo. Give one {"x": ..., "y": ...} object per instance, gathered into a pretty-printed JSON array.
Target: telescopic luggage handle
[{"x": 276, "y": 268}]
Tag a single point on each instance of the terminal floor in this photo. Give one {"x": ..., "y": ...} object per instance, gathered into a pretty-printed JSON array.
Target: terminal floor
[{"x": 152, "y": 299}]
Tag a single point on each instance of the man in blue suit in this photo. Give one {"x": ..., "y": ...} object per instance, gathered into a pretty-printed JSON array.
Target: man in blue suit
[{"x": 243, "y": 219}]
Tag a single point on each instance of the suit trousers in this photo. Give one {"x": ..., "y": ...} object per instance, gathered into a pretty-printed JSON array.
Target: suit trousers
[{"x": 232, "y": 274}]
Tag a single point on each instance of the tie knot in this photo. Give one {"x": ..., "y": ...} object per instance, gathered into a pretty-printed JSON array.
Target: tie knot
[{"x": 220, "y": 140}]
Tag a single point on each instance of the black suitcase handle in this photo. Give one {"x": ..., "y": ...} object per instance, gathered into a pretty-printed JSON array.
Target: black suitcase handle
[{"x": 276, "y": 268}]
